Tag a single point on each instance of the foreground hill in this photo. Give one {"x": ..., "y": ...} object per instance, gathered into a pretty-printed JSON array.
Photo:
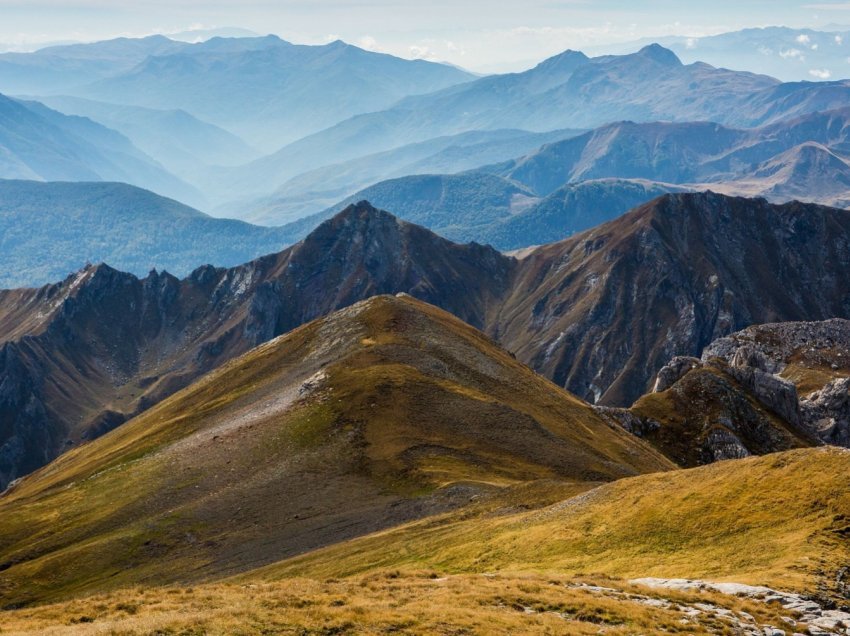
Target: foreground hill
[
  {"x": 50, "y": 229},
  {"x": 383, "y": 412},
  {"x": 139, "y": 340},
  {"x": 42, "y": 144},
  {"x": 499, "y": 567},
  {"x": 600, "y": 313}
]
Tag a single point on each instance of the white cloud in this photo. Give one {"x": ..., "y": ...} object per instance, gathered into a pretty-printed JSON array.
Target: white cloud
[
  {"x": 368, "y": 42},
  {"x": 421, "y": 53},
  {"x": 820, "y": 73},
  {"x": 814, "y": 47},
  {"x": 792, "y": 54},
  {"x": 691, "y": 43},
  {"x": 803, "y": 39},
  {"x": 765, "y": 50},
  {"x": 839, "y": 40}
]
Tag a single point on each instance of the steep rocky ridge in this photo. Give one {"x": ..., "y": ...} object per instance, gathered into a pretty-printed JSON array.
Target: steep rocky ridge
[
  {"x": 602, "y": 312},
  {"x": 103, "y": 345}
]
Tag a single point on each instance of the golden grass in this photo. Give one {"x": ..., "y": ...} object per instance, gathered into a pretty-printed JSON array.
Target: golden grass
[
  {"x": 214, "y": 480},
  {"x": 774, "y": 520},
  {"x": 408, "y": 602}
]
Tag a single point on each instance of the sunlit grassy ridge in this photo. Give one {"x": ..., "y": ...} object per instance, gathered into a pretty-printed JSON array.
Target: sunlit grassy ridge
[{"x": 385, "y": 412}]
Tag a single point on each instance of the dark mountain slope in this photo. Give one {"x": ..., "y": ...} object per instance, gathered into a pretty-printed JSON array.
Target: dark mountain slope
[
  {"x": 601, "y": 312},
  {"x": 50, "y": 229},
  {"x": 380, "y": 413}
]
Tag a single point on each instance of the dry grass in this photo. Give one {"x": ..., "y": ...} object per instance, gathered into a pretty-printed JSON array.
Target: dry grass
[
  {"x": 417, "y": 414},
  {"x": 407, "y": 602},
  {"x": 779, "y": 520}
]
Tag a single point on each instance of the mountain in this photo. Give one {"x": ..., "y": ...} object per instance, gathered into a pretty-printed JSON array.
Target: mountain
[
  {"x": 573, "y": 208},
  {"x": 50, "y": 229},
  {"x": 808, "y": 172},
  {"x": 600, "y": 313},
  {"x": 476, "y": 206},
  {"x": 42, "y": 144},
  {"x": 386, "y": 411},
  {"x": 58, "y": 68},
  {"x": 800, "y": 158},
  {"x": 461, "y": 207},
  {"x": 566, "y": 91},
  {"x": 180, "y": 142},
  {"x": 269, "y": 91},
  {"x": 139, "y": 340},
  {"x": 786, "y": 53},
  {"x": 315, "y": 190}
]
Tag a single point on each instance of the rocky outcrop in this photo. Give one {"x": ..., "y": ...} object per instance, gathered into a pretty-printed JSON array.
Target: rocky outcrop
[
  {"x": 674, "y": 371},
  {"x": 767, "y": 388}
]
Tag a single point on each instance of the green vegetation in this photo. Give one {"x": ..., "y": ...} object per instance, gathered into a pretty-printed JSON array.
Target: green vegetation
[{"x": 48, "y": 230}]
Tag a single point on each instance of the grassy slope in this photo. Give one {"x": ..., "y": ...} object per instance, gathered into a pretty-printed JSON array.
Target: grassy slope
[
  {"x": 413, "y": 413},
  {"x": 498, "y": 569},
  {"x": 779, "y": 520},
  {"x": 418, "y": 602}
]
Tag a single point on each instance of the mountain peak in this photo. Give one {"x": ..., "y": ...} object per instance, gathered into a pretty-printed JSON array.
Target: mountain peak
[
  {"x": 569, "y": 60},
  {"x": 363, "y": 213},
  {"x": 659, "y": 54}
]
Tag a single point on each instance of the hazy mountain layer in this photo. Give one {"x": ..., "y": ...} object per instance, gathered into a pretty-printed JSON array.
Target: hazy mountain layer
[{"x": 48, "y": 230}]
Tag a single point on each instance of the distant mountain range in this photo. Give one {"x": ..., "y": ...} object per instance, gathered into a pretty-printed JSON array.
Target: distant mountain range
[
  {"x": 269, "y": 91},
  {"x": 184, "y": 105},
  {"x": 50, "y": 229},
  {"x": 571, "y": 185},
  {"x": 39, "y": 143},
  {"x": 782, "y": 52},
  {"x": 179, "y": 141},
  {"x": 63, "y": 67},
  {"x": 600, "y": 314}
]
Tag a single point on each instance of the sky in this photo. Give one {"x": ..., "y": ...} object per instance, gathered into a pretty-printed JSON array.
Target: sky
[{"x": 481, "y": 35}]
